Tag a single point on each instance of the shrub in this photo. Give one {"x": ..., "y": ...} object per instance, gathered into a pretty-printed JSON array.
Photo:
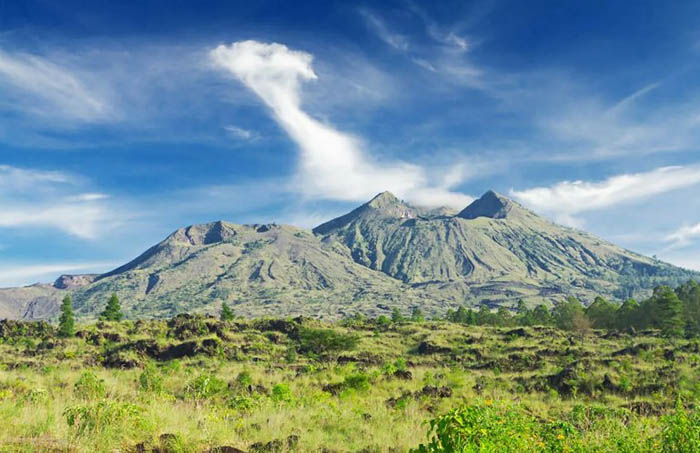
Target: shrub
[
  {"x": 244, "y": 379},
  {"x": 204, "y": 386},
  {"x": 320, "y": 341},
  {"x": 281, "y": 393},
  {"x": 483, "y": 428},
  {"x": 89, "y": 386},
  {"x": 681, "y": 431},
  {"x": 357, "y": 381},
  {"x": 95, "y": 418},
  {"x": 150, "y": 379}
]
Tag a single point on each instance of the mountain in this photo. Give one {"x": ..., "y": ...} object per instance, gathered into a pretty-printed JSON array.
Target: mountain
[{"x": 384, "y": 254}]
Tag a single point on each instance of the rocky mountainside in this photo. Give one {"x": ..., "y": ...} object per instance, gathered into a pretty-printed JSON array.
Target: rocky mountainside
[{"x": 384, "y": 254}]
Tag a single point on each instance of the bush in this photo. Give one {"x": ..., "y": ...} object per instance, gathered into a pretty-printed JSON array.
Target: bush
[
  {"x": 89, "y": 386},
  {"x": 244, "y": 379},
  {"x": 324, "y": 341},
  {"x": 681, "y": 431},
  {"x": 483, "y": 428},
  {"x": 204, "y": 386},
  {"x": 150, "y": 379},
  {"x": 357, "y": 381},
  {"x": 95, "y": 418},
  {"x": 282, "y": 393}
]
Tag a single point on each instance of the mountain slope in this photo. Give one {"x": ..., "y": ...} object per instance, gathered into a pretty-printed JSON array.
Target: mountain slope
[
  {"x": 493, "y": 245},
  {"x": 260, "y": 269},
  {"x": 383, "y": 254}
]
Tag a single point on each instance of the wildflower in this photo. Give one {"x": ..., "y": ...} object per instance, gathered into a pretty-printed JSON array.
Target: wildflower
[
  {"x": 489, "y": 402},
  {"x": 560, "y": 436}
]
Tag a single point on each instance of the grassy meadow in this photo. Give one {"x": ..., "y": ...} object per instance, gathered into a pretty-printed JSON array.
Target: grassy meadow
[{"x": 192, "y": 384}]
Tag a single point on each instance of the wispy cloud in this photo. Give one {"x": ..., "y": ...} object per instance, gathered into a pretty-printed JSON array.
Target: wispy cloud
[
  {"x": 19, "y": 274},
  {"x": 240, "y": 133},
  {"x": 44, "y": 88},
  {"x": 566, "y": 199},
  {"x": 684, "y": 235},
  {"x": 333, "y": 164},
  {"x": 52, "y": 199},
  {"x": 395, "y": 40}
]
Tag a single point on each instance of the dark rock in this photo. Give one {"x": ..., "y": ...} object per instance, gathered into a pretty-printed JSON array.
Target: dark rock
[
  {"x": 670, "y": 355},
  {"x": 432, "y": 391},
  {"x": 426, "y": 348},
  {"x": 274, "y": 446},
  {"x": 225, "y": 449},
  {"x": 403, "y": 374},
  {"x": 518, "y": 333}
]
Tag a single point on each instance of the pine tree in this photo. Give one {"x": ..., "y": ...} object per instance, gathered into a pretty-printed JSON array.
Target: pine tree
[
  {"x": 113, "y": 310},
  {"x": 417, "y": 315},
  {"x": 226, "y": 313},
  {"x": 669, "y": 309},
  {"x": 396, "y": 315},
  {"x": 66, "y": 323}
]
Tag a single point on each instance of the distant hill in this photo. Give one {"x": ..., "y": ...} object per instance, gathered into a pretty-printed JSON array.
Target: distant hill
[{"x": 384, "y": 254}]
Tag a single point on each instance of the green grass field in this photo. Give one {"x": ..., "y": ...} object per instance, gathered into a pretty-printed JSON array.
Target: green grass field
[{"x": 192, "y": 384}]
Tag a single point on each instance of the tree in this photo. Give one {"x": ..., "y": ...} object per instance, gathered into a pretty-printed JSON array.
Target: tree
[
  {"x": 669, "y": 311},
  {"x": 541, "y": 316},
  {"x": 601, "y": 314},
  {"x": 396, "y": 315},
  {"x": 503, "y": 317},
  {"x": 66, "y": 323},
  {"x": 580, "y": 324},
  {"x": 484, "y": 316},
  {"x": 689, "y": 294},
  {"x": 226, "y": 313},
  {"x": 113, "y": 310},
  {"x": 627, "y": 315},
  {"x": 417, "y": 315},
  {"x": 565, "y": 313}
]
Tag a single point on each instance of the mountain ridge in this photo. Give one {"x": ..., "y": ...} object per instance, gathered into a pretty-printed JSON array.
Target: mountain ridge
[{"x": 385, "y": 253}]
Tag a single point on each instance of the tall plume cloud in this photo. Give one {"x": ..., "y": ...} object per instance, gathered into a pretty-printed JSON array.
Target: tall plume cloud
[{"x": 333, "y": 164}]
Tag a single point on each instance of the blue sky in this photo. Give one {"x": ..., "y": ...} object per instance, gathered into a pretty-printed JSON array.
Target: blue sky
[{"x": 120, "y": 123}]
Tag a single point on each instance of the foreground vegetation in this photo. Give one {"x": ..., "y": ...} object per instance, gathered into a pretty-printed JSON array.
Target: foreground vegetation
[{"x": 267, "y": 385}]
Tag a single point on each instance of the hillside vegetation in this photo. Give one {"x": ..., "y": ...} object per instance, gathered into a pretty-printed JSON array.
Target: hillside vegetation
[{"x": 196, "y": 384}]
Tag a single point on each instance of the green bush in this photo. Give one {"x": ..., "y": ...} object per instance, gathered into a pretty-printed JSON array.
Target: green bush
[
  {"x": 483, "y": 428},
  {"x": 96, "y": 418},
  {"x": 89, "y": 386},
  {"x": 357, "y": 381},
  {"x": 150, "y": 379},
  {"x": 681, "y": 431},
  {"x": 281, "y": 393},
  {"x": 244, "y": 379},
  {"x": 204, "y": 386},
  {"x": 324, "y": 341}
]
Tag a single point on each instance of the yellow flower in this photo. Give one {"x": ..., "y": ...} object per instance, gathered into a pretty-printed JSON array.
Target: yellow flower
[
  {"x": 560, "y": 436},
  {"x": 489, "y": 402}
]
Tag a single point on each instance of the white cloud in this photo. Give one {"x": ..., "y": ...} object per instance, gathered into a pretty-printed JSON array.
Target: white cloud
[
  {"x": 18, "y": 274},
  {"x": 566, "y": 199},
  {"x": 333, "y": 164},
  {"x": 395, "y": 40},
  {"x": 50, "y": 199},
  {"x": 44, "y": 88},
  {"x": 240, "y": 133},
  {"x": 684, "y": 234}
]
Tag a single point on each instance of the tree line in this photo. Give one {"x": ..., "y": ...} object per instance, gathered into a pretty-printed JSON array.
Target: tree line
[{"x": 674, "y": 312}]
